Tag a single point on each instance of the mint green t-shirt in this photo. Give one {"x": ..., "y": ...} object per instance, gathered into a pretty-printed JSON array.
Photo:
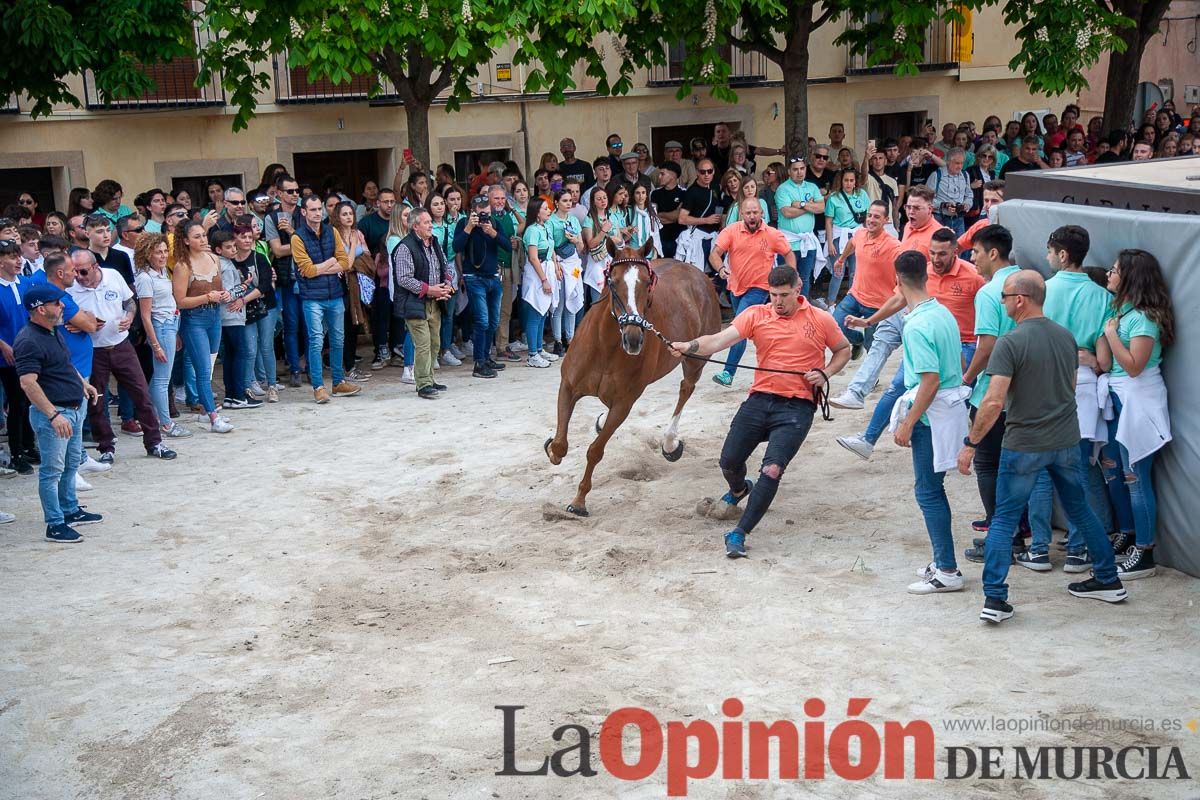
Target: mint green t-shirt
[
  {"x": 558, "y": 228},
  {"x": 789, "y": 192},
  {"x": 1133, "y": 323},
  {"x": 537, "y": 236},
  {"x": 842, "y": 214},
  {"x": 990, "y": 320},
  {"x": 735, "y": 212},
  {"x": 1080, "y": 305},
  {"x": 932, "y": 344}
]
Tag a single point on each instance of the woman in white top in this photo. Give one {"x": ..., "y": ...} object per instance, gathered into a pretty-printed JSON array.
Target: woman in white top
[{"x": 160, "y": 321}]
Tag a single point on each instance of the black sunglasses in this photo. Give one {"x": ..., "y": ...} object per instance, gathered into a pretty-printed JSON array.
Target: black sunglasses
[
  {"x": 135, "y": 230},
  {"x": 1006, "y": 295},
  {"x": 705, "y": 171},
  {"x": 290, "y": 191}
]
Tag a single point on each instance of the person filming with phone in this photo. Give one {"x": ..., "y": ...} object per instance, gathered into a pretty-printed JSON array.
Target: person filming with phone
[{"x": 477, "y": 238}]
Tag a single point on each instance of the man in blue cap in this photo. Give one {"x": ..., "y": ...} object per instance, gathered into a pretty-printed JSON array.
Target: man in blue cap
[{"x": 56, "y": 392}]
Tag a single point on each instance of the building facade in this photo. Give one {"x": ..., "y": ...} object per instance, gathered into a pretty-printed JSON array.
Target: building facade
[{"x": 182, "y": 134}]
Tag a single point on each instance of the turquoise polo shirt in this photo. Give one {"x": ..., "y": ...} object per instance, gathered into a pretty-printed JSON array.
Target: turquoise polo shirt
[
  {"x": 789, "y": 192},
  {"x": 990, "y": 320},
  {"x": 559, "y": 227},
  {"x": 1080, "y": 305},
  {"x": 1131, "y": 324},
  {"x": 843, "y": 214},
  {"x": 537, "y": 236},
  {"x": 932, "y": 344}
]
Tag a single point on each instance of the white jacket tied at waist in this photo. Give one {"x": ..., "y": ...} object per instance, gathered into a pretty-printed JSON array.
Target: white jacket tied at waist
[
  {"x": 1145, "y": 424},
  {"x": 948, "y": 422},
  {"x": 689, "y": 246}
]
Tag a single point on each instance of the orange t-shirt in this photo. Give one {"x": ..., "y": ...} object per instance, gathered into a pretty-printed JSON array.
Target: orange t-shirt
[
  {"x": 796, "y": 343},
  {"x": 956, "y": 291},
  {"x": 751, "y": 255},
  {"x": 918, "y": 238},
  {"x": 967, "y": 240},
  {"x": 875, "y": 273}
]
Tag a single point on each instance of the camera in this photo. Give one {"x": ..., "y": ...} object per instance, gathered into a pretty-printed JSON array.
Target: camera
[{"x": 484, "y": 217}]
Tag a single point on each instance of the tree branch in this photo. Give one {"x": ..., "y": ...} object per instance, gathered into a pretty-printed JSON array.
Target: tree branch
[
  {"x": 757, "y": 45},
  {"x": 445, "y": 75},
  {"x": 828, "y": 14}
]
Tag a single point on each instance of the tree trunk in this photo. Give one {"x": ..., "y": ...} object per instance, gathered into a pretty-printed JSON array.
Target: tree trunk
[
  {"x": 795, "y": 79},
  {"x": 1124, "y": 69},
  {"x": 417, "y": 115}
]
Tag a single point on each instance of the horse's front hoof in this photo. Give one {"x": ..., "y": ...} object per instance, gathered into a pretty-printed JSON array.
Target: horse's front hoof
[
  {"x": 549, "y": 454},
  {"x": 599, "y": 426},
  {"x": 579, "y": 511},
  {"x": 675, "y": 454}
]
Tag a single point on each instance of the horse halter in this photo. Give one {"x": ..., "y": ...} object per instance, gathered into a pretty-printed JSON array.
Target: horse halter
[{"x": 625, "y": 317}]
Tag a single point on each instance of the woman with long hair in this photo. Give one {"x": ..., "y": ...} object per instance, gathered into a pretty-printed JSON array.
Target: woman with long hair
[
  {"x": 548, "y": 162},
  {"x": 731, "y": 190},
  {"x": 598, "y": 226},
  {"x": 416, "y": 190},
  {"x": 567, "y": 236},
  {"x": 1148, "y": 134},
  {"x": 749, "y": 190},
  {"x": 79, "y": 202},
  {"x": 160, "y": 321},
  {"x": 845, "y": 210},
  {"x": 538, "y": 281},
  {"x": 620, "y": 212},
  {"x": 199, "y": 293},
  {"x": 443, "y": 234},
  {"x": 370, "y": 199},
  {"x": 262, "y": 309},
  {"x": 646, "y": 225},
  {"x": 55, "y": 224},
  {"x": 214, "y": 190},
  {"x": 397, "y": 230},
  {"x": 270, "y": 174},
  {"x": 1131, "y": 350},
  {"x": 343, "y": 221},
  {"x": 1012, "y": 137}
]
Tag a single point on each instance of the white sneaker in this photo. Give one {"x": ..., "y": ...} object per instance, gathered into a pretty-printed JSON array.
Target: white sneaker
[
  {"x": 856, "y": 444},
  {"x": 92, "y": 465},
  {"x": 546, "y": 354},
  {"x": 220, "y": 425},
  {"x": 938, "y": 582},
  {"x": 846, "y": 399},
  {"x": 257, "y": 390},
  {"x": 536, "y": 360},
  {"x": 451, "y": 360},
  {"x": 6, "y": 517},
  {"x": 927, "y": 571},
  {"x": 437, "y": 363},
  {"x": 518, "y": 346},
  {"x": 81, "y": 485},
  {"x": 398, "y": 351},
  {"x": 457, "y": 352},
  {"x": 180, "y": 398},
  {"x": 407, "y": 376}
]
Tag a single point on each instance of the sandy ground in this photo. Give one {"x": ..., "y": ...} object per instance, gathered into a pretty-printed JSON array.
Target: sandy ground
[{"x": 307, "y": 608}]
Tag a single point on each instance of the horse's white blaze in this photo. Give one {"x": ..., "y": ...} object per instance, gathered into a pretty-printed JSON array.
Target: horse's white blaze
[
  {"x": 671, "y": 438},
  {"x": 631, "y": 282}
]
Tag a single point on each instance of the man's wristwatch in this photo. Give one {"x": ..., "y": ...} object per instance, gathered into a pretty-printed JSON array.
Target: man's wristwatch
[{"x": 968, "y": 443}]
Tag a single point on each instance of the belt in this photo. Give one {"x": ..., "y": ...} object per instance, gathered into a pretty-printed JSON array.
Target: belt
[{"x": 112, "y": 346}]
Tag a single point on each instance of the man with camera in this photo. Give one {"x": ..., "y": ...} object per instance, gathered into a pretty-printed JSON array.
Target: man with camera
[
  {"x": 477, "y": 238},
  {"x": 952, "y": 193}
]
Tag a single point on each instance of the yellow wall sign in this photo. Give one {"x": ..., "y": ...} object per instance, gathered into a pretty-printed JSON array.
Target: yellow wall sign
[{"x": 504, "y": 72}]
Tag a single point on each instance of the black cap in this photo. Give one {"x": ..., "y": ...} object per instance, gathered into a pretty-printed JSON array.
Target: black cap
[{"x": 42, "y": 294}]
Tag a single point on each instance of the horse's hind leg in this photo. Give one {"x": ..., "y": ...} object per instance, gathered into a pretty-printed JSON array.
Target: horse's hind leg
[
  {"x": 672, "y": 445},
  {"x": 556, "y": 447},
  {"x": 616, "y": 415}
]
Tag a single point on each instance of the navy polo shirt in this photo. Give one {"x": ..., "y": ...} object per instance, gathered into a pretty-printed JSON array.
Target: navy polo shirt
[{"x": 44, "y": 353}]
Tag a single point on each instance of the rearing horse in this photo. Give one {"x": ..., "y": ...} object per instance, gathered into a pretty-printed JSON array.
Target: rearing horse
[{"x": 614, "y": 357}]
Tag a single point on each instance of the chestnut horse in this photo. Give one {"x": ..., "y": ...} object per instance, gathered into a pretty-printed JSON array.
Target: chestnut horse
[{"x": 615, "y": 357}]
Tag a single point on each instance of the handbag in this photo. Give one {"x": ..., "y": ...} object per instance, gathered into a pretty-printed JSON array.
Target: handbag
[{"x": 859, "y": 216}]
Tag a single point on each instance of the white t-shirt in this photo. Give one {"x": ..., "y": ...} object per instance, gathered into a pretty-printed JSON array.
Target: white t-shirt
[{"x": 107, "y": 302}]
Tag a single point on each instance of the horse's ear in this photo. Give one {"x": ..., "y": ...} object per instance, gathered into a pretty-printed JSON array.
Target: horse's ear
[
  {"x": 610, "y": 247},
  {"x": 647, "y": 248}
]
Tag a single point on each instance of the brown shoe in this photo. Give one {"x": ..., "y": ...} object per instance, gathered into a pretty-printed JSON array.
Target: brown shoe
[
  {"x": 321, "y": 394},
  {"x": 346, "y": 389}
]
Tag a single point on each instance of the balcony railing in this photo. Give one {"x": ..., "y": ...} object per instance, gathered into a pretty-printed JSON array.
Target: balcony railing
[
  {"x": 293, "y": 85},
  {"x": 175, "y": 85},
  {"x": 940, "y": 47},
  {"x": 747, "y": 67},
  {"x": 9, "y": 105}
]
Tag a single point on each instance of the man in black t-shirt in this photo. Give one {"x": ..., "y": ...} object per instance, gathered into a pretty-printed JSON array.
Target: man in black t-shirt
[
  {"x": 1027, "y": 159},
  {"x": 823, "y": 175},
  {"x": 374, "y": 226},
  {"x": 572, "y": 167},
  {"x": 701, "y": 202},
  {"x": 667, "y": 199}
]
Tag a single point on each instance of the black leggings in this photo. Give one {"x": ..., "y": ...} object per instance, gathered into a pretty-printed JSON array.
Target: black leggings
[{"x": 987, "y": 464}]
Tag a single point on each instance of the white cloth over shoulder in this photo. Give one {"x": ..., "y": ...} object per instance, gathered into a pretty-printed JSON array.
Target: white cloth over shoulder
[
  {"x": 948, "y": 421},
  {"x": 1145, "y": 424},
  {"x": 689, "y": 246},
  {"x": 572, "y": 268}
]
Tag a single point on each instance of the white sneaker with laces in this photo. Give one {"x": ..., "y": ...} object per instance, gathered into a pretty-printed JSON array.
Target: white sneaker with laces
[
  {"x": 938, "y": 582},
  {"x": 450, "y": 360},
  {"x": 257, "y": 390},
  {"x": 536, "y": 360},
  {"x": 846, "y": 399},
  {"x": 857, "y": 444},
  {"x": 92, "y": 465},
  {"x": 220, "y": 425},
  {"x": 547, "y": 355},
  {"x": 81, "y": 485},
  {"x": 457, "y": 352},
  {"x": 407, "y": 376},
  {"x": 518, "y": 346}
]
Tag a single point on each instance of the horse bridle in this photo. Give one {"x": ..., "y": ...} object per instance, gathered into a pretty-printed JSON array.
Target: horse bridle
[{"x": 626, "y": 317}]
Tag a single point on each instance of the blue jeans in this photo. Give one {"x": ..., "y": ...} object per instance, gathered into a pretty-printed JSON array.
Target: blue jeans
[
  {"x": 886, "y": 339},
  {"x": 323, "y": 317},
  {"x": 562, "y": 322},
  {"x": 804, "y": 266},
  {"x": 930, "y": 491},
  {"x": 293, "y": 319},
  {"x": 237, "y": 362},
  {"x": 160, "y": 381},
  {"x": 881, "y": 417},
  {"x": 1041, "y": 506},
  {"x": 956, "y": 224},
  {"x": 534, "y": 325},
  {"x": 1130, "y": 486},
  {"x": 263, "y": 367},
  {"x": 835, "y": 280},
  {"x": 850, "y": 307},
  {"x": 485, "y": 294},
  {"x": 752, "y": 297},
  {"x": 447, "y": 331},
  {"x": 1014, "y": 485},
  {"x": 60, "y": 460},
  {"x": 201, "y": 329}
]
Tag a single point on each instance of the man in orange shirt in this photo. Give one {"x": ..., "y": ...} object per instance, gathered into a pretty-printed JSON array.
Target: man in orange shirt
[
  {"x": 874, "y": 251},
  {"x": 953, "y": 283},
  {"x": 752, "y": 246},
  {"x": 993, "y": 195},
  {"x": 789, "y": 334},
  {"x": 921, "y": 222}
]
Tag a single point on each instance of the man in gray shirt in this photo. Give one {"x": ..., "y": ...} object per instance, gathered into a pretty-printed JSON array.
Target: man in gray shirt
[{"x": 1032, "y": 371}]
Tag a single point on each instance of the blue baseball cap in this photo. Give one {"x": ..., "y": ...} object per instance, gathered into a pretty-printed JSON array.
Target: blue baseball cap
[{"x": 42, "y": 294}]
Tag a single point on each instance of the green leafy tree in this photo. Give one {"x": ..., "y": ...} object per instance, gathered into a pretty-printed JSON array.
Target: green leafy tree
[
  {"x": 422, "y": 47},
  {"x": 45, "y": 41},
  {"x": 1059, "y": 39},
  {"x": 1124, "y": 64}
]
